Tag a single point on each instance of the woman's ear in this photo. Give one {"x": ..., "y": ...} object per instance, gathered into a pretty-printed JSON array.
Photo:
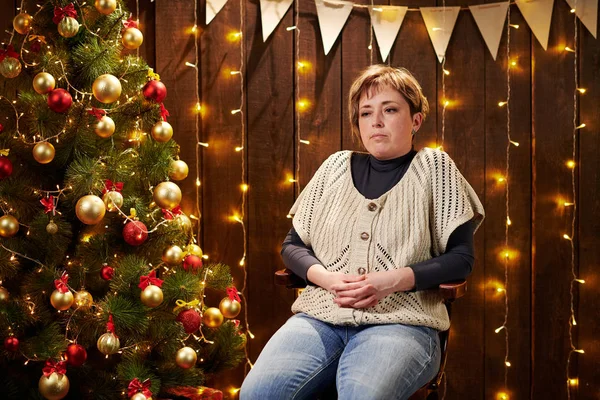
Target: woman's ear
[{"x": 417, "y": 120}]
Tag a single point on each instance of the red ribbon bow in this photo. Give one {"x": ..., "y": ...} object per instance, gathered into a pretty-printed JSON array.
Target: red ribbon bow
[
  {"x": 170, "y": 214},
  {"x": 97, "y": 112},
  {"x": 61, "y": 284},
  {"x": 110, "y": 326},
  {"x": 130, "y": 23},
  {"x": 164, "y": 113},
  {"x": 60, "y": 13},
  {"x": 48, "y": 204},
  {"x": 135, "y": 386},
  {"x": 110, "y": 186},
  {"x": 149, "y": 279},
  {"x": 9, "y": 52},
  {"x": 232, "y": 292},
  {"x": 51, "y": 366}
]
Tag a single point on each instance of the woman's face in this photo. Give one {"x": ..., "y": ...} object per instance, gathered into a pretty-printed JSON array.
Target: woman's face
[{"x": 385, "y": 123}]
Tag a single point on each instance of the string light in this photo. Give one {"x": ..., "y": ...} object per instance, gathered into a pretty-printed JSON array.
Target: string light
[{"x": 502, "y": 103}]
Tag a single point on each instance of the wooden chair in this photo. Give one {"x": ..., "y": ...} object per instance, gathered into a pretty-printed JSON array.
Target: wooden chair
[{"x": 449, "y": 291}]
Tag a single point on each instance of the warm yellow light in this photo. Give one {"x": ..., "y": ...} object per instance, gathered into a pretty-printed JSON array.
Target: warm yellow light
[
  {"x": 244, "y": 187},
  {"x": 502, "y": 396},
  {"x": 205, "y": 256},
  {"x": 234, "y": 36},
  {"x": 290, "y": 28},
  {"x": 516, "y": 144},
  {"x": 513, "y": 63},
  {"x": 568, "y": 204},
  {"x": 507, "y": 363},
  {"x": 573, "y": 382},
  {"x": 502, "y": 103},
  {"x": 203, "y": 144},
  {"x": 500, "y": 290},
  {"x": 198, "y": 107},
  {"x": 239, "y": 148},
  {"x": 572, "y": 10},
  {"x": 571, "y": 164},
  {"x": 198, "y": 182},
  {"x": 304, "y": 141},
  {"x": 304, "y": 66},
  {"x": 497, "y": 330},
  {"x": 580, "y": 281},
  {"x": 303, "y": 104},
  {"x": 573, "y": 320},
  {"x": 236, "y": 111},
  {"x": 436, "y": 29},
  {"x": 189, "y": 64},
  {"x": 580, "y": 126},
  {"x": 508, "y": 221},
  {"x": 251, "y": 335},
  {"x": 446, "y": 72},
  {"x": 235, "y": 72},
  {"x": 236, "y": 218},
  {"x": 580, "y": 351},
  {"x": 292, "y": 180},
  {"x": 581, "y": 90},
  {"x": 514, "y": 26},
  {"x": 234, "y": 391},
  {"x": 501, "y": 179},
  {"x": 565, "y": 236},
  {"x": 567, "y": 48},
  {"x": 289, "y": 216},
  {"x": 446, "y": 103}
]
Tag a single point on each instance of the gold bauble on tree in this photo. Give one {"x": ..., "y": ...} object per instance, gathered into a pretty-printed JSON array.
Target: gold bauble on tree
[
  {"x": 230, "y": 308},
  {"x": 52, "y": 228},
  {"x": 184, "y": 222},
  {"x": 68, "y": 27},
  {"x": 162, "y": 131},
  {"x": 4, "y": 294},
  {"x": 10, "y": 67},
  {"x": 108, "y": 343},
  {"x": 132, "y": 38},
  {"x": 113, "y": 200},
  {"x": 105, "y": 6},
  {"x": 172, "y": 255},
  {"x": 83, "y": 300},
  {"x": 43, "y": 83},
  {"x": 139, "y": 396},
  {"x": 9, "y": 226},
  {"x": 54, "y": 387},
  {"x": 194, "y": 249},
  {"x": 61, "y": 301},
  {"x": 105, "y": 127},
  {"x": 107, "y": 88},
  {"x": 22, "y": 23},
  {"x": 152, "y": 296},
  {"x": 167, "y": 195},
  {"x": 90, "y": 209},
  {"x": 43, "y": 152},
  {"x": 212, "y": 317},
  {"x": 186, "y": 357},
  {"x": 178, "y": 170}
]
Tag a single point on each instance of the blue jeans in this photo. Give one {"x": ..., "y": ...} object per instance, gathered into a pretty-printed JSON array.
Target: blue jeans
[{"x": 305, "y": 356}]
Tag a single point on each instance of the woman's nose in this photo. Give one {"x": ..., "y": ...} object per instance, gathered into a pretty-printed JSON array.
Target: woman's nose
[{"x": 377, "y": 120}]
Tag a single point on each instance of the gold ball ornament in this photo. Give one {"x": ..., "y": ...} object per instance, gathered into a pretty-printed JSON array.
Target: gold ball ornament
[
  {"x": 83, "y": 300},
  {"x": 184, "y": 222},
  {"x": 43, "y": 83},
  {"x": 167, "y": 195},
  {"x": 162, "y": 131},
  {"x": 68, "y": 27},
  {"x": 178, "y": 170},
  {"x": 230, "y": 308},
  {"x": 9, "y": 226},
  {"x": 52, "y": 228},
  {"x": 90, "y": 209},
  {"x": 212, "y": 317},
  {"x": 105, "y": 6},
  {"x": 43, "y": 152},
  {"x": 54, "y": 387},
  {"x": 139, "y": 396},
  {"x": 61, "y": 301},
  {"x": 105, "y": 127},
  {"x": 10, "y": 67},
  {"x": 152, "y": 296},
  {"x": 113, "y": 200},
  {"x": 108, "y": 343},
  {"x": 4, "y": 294},
  {"x": 107, "y": 88},
  {"x": 22, "y": 23},
  {"x": 132, "y": 38},
  {"x": 172, "y": 255},
  {"x": 194, "y": 249},
  {"x": 186, "y": 357}
]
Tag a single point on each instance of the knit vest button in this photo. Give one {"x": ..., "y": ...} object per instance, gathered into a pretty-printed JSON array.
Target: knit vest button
[
  {"x": 364, "y": 236},
  {"x": 362, "y": 271},
  {"x": 372, "y": 206}
]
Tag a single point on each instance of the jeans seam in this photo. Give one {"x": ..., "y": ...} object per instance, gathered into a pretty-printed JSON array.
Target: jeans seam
[
  {"x": 426, "y": 363},
  {"x": 316, "y": 372}
]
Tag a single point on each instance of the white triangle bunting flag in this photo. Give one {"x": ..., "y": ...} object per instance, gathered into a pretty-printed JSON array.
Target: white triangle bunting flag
[
  {"x": 440, "y": 24},
  {"x": 386, "y": 21},
  {"x": 490, "y": 20},
  {"x": 587, "y": 11},
  {"x": 538, "y": 15},
  {"x": 212, "y": 9},
  {"x": 332, "y": 18},
  {"x": 271, "y": 13}
]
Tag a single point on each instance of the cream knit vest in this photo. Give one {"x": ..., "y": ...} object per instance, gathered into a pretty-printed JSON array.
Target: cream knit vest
[{"x": 408, "y": 224}]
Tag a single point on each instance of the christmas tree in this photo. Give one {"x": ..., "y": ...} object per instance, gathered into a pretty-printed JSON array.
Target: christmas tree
[{"x": 102, "y": 283}]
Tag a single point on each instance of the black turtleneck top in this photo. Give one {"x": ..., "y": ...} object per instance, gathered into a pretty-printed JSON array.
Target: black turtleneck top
[{"x": 372, "y": 178}]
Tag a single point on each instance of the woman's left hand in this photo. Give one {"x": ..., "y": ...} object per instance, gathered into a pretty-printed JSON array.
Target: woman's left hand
[{"x": 376, "y": 285}]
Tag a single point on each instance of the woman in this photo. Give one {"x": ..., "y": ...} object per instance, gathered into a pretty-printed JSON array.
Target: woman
[{"x": 372, "y": 232}]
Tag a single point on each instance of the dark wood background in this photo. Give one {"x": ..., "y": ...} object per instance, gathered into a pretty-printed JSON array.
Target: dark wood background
[{"x": 541, "y": 111}]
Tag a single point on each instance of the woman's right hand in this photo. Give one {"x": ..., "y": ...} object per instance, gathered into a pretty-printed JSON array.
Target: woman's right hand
[{"x": 318, "y": 275}]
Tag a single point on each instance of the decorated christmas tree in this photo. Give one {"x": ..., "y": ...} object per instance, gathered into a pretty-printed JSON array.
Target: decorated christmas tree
[{"x": 102, "y": 283}]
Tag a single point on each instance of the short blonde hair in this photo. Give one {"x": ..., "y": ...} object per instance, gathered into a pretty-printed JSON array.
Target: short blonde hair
[{"x": 377, "y": 76}]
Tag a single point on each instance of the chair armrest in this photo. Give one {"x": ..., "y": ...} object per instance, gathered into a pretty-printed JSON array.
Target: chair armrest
[
  {"x": 451, "y": 291},
  {"x": 285, "y": 277}
]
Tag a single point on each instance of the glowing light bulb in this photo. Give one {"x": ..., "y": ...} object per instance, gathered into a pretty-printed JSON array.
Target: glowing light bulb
[
  {"x": 502, "y": 103},
  {"x": 581, "y": 90},
  {"x": 497, "y": 330}
]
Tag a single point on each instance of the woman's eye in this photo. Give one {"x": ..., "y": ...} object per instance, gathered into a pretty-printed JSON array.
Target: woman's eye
[
  {"x": 390, "y": 110},
  {"x": 364, "y": 114}
]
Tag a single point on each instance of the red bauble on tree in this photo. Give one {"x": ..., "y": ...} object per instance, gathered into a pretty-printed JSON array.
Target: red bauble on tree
[
  {"x": 107, "y": 272},
  {"x": 6, "y": 167},
  {"x": 155, "y": 90},
  {"x": 192, "y": 262},
  {"x": 76, "y": 355},
  {"x": 11, "y": 343},
  {"x": 190, "y": 319},
  {"x": 135, "y": 233},
  {"x": 59, "y": 100}
]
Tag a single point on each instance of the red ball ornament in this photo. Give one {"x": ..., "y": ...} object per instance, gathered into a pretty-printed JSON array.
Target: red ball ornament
[
  {"x": 76, "y": 355},
  {"x": 6, "y": 167},
  {"x": 107, "y": 272},
  {"x": 59, "y": 100},
  {"x": 135, "y": 233},
  {"x": 192, "y": 262},
  {"x": 190, "y": 319},
  {"x": 11, "y": 343},
  {"x": 155, "y": 90}
]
